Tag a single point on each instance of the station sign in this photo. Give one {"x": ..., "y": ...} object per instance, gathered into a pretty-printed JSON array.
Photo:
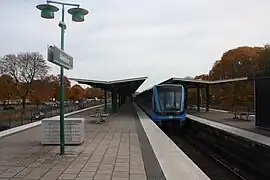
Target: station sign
[{"x": 59, "y": 57}]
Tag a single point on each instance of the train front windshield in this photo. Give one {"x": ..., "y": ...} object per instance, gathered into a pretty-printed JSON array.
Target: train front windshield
[{"x": 169, "y": 98}]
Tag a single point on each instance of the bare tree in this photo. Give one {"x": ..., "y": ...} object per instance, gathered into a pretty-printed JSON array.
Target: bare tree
[{"x": 24, "y": 68}]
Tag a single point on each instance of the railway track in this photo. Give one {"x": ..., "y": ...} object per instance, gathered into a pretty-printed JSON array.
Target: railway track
[
  {"x": 213, "y": 161},
  {"x": 236, "y": 172},
  {"x": 221, "y": 157}
]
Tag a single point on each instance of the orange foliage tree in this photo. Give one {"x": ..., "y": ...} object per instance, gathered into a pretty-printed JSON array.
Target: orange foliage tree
[
  {"x": 242, "y": 61},
  {"x": 97, "y": 92},
  {"x": 192, "y": 92},
  {"x": 87, "y": 94},
  {"x": 54, "y": 81},
  {"x": 42, "y": 91},
  {"x": 77, "y": 93},
  {"x": 238, "y": 62},
  {"x": 263, "y": 61},
  {"x": 7, "y": 88}
]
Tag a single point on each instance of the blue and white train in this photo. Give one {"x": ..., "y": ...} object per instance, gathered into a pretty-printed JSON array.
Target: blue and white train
[{"x": 164, "y": 103}]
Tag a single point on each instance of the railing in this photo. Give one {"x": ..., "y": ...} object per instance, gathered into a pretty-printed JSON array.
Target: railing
[{"x": 14, "y": 118}]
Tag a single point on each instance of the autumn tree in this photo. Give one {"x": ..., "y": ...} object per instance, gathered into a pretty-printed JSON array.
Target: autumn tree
[
  {"x": 7, "y": 88},
  {"x": 240, "y": 62},
  {"x": 192, "y": 92},
  {"x": 87, "y": 93},
  {"x": 67, "y": 86},
  {"x": 25, "y": 69},
  {"x": 41, "y": 92},
  {"x": 77, "y": 93},
  {"x": 97, "y": 93},
  {"x": 55, "y": 83},
  {"x": 263, "y": 61},
  {"x": 237, "y": 62},
  {"x": 204, "y": 77}
]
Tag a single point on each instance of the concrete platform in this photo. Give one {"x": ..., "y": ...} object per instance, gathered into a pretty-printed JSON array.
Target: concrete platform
[
  {"x": 174, "y": 162},
  {"x": 111, "y": 150},
  {"x": 227, "y": 118},
  {"x": 225, "y": 121},
  {"x": 127, "y": 146}
]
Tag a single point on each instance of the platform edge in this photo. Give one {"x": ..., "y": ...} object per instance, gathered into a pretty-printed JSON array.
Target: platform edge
[
  {"x": 233, "y": 130},
  {"x": 164, "y": 162}
]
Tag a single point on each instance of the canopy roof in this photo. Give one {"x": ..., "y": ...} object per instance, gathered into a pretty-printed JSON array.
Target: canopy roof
[
  {"x": 122, "y": 86},
  {"x": 192, "y": 83}
]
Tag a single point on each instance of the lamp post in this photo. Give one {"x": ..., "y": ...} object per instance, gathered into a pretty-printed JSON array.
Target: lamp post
[{"x": 47, "y": 12}]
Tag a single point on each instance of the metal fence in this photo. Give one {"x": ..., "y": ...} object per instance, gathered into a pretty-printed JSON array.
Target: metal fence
[{"x": 13, "y": 118}]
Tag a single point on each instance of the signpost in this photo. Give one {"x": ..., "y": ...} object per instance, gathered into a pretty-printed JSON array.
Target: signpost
[
  {"x": 57, "y": 56},
  {"x": 62, "y": 59}
]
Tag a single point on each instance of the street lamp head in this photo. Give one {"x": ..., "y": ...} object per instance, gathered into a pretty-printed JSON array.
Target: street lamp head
[
  {"x": 78, "y": 14},
  {"x": 47, "y": 10}
]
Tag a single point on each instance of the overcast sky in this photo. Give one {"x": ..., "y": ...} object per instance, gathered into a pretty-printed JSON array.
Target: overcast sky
[{"x": 132, "y": 38}]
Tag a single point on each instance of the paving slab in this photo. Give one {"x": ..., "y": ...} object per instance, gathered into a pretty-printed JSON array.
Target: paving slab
[{"x": 111, "y": 150}]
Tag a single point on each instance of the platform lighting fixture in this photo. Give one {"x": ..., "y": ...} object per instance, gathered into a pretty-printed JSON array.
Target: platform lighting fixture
[{"x": 47, "y": 12}]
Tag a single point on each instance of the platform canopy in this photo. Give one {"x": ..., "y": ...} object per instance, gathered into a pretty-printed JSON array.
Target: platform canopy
[
  {"x": 193, "y": 83},
  {"x": 122, "y": 87}
]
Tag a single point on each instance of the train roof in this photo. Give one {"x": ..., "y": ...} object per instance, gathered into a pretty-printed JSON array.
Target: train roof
[
  {"x": 168, "y": 85},
  {"x": 158, "y": 85}
]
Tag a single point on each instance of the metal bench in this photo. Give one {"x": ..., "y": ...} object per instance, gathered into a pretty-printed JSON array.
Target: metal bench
[
  {"x": 241, "y": 111},
  {"x": 101, "y": 115}
]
